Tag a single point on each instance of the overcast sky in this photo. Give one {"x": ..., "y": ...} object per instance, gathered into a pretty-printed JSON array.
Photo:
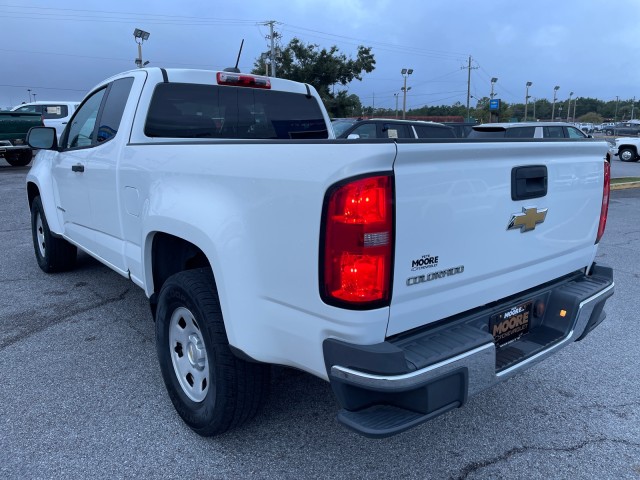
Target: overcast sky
[{"x": 61, "y": 49}]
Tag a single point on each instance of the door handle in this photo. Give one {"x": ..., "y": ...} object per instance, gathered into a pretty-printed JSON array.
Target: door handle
[{"x": 77, "y": 168}]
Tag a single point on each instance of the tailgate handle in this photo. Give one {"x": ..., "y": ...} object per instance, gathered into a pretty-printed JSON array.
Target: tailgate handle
[
  {"x": 77, "y": 168},
  {"x": 528, "y": 182}
]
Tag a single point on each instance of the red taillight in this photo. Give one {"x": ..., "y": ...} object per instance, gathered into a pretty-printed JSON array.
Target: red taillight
[
  {"x": 239, "y": 80},
  {"x": 605, "y": 200},
  {"x": 358, "y": 243}
]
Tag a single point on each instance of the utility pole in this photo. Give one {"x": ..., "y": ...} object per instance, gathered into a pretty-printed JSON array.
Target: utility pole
[
  {"x": 526, "y": 101},
  {"x": 272, "y": 36},
  {"x": 469, "y": 68},
  {"x": 633, "y": 106},
  {"x": 615, "y": 118}
]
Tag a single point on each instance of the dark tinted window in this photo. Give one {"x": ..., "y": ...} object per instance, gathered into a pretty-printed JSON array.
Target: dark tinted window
[
  {"x": 396, "y": 130},
  {"x": 114, "y": 108},
  {"x": 497, "y": 132},
  {"x": 520, "y": 132},
  {"x": 553, "y": 132},
  {"x": 432, "y": 131},
  {"x": 210, "y": 111},
  {"x": 54, "y": 111},
  {"x": 30, "y": 109}
]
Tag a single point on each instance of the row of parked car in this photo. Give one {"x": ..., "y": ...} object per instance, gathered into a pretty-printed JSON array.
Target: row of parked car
[{"x": 391, "y": 128}]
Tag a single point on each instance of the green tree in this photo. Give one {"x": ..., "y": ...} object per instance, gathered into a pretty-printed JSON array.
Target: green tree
[
  {"x": 591, "y": 117},
  {"x": 322, "y": 68}
]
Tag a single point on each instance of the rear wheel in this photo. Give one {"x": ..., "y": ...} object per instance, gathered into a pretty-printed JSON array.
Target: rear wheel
[
  {"x": 627, "y": 155},
  {"x": 211, "y": 389},
  {"x": 19, "y": 159},
  {"x": 54, "y": 254},
  {"x": 609, "y": 132}
]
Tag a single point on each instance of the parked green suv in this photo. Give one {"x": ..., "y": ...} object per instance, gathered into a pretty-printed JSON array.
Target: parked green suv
[{"x": 13, "y": 133}]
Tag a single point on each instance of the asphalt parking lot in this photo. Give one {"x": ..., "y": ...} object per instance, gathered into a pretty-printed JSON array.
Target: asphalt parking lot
[{"x": 81, "y": 393}]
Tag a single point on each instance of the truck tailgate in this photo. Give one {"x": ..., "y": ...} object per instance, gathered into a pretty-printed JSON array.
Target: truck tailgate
[{"x": 454, "y": 250}]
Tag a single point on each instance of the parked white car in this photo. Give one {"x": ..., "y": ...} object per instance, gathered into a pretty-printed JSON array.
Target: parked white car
[{"x": 55, "y": 114}]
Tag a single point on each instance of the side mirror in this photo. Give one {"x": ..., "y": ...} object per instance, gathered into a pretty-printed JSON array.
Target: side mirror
[
  {"x": 353, "y": 136},
  {"x": 43, "y": 138}
]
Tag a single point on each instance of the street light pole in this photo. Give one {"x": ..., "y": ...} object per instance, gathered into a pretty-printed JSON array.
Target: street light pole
[
  {"x": 140, "y": 36},
  {"x": 534, "y": 109},
  {"x": 575, "y": 104},
  {"x": 569, "y": 106},
  {"x": 615, "y": 118},
  {"x": 553, "y": 107},
  {"x": 405, "y": 73},
  {"x": 29, "y": 91},
  {"x": 526, "y": 101}
]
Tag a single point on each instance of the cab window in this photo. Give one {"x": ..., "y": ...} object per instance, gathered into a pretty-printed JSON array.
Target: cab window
[{"x": 82, "y": 128}]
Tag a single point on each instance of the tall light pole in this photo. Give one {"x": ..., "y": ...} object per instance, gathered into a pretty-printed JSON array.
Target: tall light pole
[
  {"x": 633, "y": 106},
  {"x": 615, "y": 118},
  {"x": 140, "y": 36},
  {"x": 569, "y": 106},
  {"x": 526, "y": 101},
  {"x": 491, "y": 95},
  {"x": 405, "y": 73},
  {"x": 396, "y": 95},
  {"x": 575, "y": 104},
  {"x": 553, "y": 107},
  {"x": 34, "y": 97},
  {"x": 29, "y": 91}
]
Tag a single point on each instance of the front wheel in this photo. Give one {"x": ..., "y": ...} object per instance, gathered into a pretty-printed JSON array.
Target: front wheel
[
  {"x": 609, "y": 133},
  {"x": 627, "y": 155},
  {"x": 54, "y": 254},
  {"x": 211, "y": 389},
  {"x": 19, "y": 159}
]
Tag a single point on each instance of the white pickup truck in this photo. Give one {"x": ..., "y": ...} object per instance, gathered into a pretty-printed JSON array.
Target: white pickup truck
[
  {"x": 410, "y": 274},
  {"x": 627, "y": 148}
]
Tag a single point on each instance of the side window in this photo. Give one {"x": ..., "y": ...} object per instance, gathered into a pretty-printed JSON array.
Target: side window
[
  {"x": 113, "y": 109},
  {"x": 396, "y": 131},
  {"x": 30, "y": 109},
  {"x": 520, "y": 132},
  {"x": 429, "y": 131},
  {"x": 575, "y": 133},
  {"x": 553, "y": 132},
  {"x": 55, "y": 111},
  {"x": 81, "y": 130},
  {"x": 367, "y": 130}
]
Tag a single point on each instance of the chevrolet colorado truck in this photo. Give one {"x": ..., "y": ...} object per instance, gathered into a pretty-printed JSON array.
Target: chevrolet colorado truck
[
  {"x": 410, "y": 274},
  {"x": 13, "y": 133}
]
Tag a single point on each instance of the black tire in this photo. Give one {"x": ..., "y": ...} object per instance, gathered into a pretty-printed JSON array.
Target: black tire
[
  {"x": 609, "y": 133},
  {"x": 627, "y": 155},
  {"x": 54, "y": 254},
  {"x": 19, "y": 159},
  {"x": 211, "y": 389}
]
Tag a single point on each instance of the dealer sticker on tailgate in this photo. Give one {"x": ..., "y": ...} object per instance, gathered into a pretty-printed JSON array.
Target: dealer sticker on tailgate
[{"x": 510, "y": 325}]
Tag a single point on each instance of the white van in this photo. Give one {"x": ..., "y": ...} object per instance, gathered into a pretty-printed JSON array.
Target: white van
[{"x": 54, "y": 114}]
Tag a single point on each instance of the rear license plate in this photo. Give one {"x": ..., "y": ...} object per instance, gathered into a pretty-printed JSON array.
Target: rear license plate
[{"x": 511, "y": 324}]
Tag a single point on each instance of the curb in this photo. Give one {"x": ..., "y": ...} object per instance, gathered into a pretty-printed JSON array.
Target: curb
[{"x": 623, "y": 186}]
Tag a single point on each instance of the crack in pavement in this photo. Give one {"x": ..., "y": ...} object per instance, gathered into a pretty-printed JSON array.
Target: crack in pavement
[
  {"x": 60, "y": 319},
  {"x": 475, "y": 466}
]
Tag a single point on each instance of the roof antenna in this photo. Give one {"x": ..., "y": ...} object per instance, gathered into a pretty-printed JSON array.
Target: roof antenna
[{"x": 236, "y": 69}]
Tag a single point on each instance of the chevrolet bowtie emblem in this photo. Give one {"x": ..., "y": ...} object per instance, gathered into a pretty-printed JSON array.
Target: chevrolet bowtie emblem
[{"x": 528, "y": 219}]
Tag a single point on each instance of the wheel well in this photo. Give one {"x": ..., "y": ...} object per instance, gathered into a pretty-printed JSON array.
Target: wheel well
[
  {"x": 32, "y": 192},
  {"x": 170, "y": 255}
]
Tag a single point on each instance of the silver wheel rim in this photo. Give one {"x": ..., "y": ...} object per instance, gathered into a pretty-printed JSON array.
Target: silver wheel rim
[
  {"x": 626, "y": 155},
  {"x": 189, "y": 354},
  {"x": 42, "y": 246}
]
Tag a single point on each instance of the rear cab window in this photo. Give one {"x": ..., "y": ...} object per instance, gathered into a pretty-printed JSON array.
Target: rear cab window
[{"x": 185, "y": 110}]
